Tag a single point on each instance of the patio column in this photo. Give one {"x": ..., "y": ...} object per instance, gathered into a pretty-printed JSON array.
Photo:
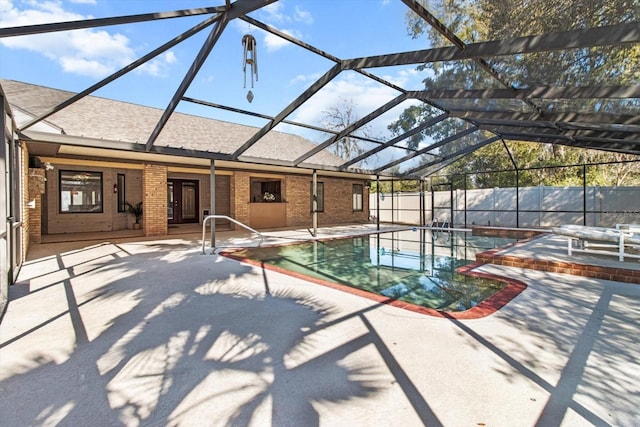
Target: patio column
[
  {"x": 154, "y": 200},
  {"x": 36, "y": 188},
  {"x": 212, "y": 205}
]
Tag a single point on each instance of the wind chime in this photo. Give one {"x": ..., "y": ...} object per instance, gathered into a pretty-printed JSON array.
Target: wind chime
[{"x": 250, "y": 59}]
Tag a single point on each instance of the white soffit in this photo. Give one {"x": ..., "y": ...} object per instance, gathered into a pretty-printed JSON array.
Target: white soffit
[{"x": 86, "y": 152}]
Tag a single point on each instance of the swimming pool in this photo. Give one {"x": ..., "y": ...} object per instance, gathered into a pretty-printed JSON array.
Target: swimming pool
[{"x": 418, "y": 268}]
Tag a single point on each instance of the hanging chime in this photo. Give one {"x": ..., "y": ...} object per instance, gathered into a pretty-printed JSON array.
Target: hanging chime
[{"x": 250, "y": 59}]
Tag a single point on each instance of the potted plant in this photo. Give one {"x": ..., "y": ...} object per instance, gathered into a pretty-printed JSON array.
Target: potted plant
[{"x": 136, "y": 211}]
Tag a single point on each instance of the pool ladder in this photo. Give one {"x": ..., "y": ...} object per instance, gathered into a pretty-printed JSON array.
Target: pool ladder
[{"x": 437, "y": 228}]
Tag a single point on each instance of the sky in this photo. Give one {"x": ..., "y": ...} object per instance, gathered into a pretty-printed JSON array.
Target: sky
[{"x": 74, "y": 60}]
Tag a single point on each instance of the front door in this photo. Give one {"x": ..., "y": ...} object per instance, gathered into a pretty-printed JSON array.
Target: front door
[{"x": 182, "y": 201}]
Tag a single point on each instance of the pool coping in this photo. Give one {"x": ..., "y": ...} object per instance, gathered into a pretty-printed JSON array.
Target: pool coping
[{"x": 485, "y": 308}]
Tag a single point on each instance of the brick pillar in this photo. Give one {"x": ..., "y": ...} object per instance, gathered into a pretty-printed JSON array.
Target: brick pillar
[
  {"x": 36, "y": 185},
  {"x": 154, "y": 200},
  {"x": 241, "y": 194}
]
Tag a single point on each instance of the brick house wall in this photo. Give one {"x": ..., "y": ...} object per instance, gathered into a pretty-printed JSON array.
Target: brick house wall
[
  {"x": 240, "y": 195},
  {"x": 33, "y": 214},
  {"x": 148, "y": 183},
  {"x": 107, "y": 220},
  {"x": 154, "y": 200},
  {"x": 338, "y": 201}
]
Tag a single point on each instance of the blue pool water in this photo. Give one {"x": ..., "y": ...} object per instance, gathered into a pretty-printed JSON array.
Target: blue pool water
[{"x": 415, "y": 266}]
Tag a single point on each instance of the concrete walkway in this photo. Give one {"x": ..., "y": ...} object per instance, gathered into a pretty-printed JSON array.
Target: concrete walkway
[{"x": 154, "y": 333}]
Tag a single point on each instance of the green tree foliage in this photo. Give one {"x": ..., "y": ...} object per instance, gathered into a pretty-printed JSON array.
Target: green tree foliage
[
  {"x": 543, "y": 164},
  {"x": 401, "y": 185},
  {"x": 484, "y": 20}
]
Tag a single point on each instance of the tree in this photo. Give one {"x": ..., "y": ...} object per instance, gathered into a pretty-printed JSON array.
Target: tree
[
  {"x": 340, "y": 117},
  {"x": 483, "y": 20},
  {"x": 491, "y": 166}
]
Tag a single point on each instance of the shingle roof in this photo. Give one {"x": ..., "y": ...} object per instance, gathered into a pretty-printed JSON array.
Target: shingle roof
[{"x": 101, "y": 118}]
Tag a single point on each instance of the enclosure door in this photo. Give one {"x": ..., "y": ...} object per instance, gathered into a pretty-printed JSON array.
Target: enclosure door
[
  {"x": 182, "y": 201},
  {"x": 5, "y": 222}
]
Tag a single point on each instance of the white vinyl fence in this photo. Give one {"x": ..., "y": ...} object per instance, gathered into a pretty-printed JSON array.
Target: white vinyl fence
[{"x": 540, "y": 206}]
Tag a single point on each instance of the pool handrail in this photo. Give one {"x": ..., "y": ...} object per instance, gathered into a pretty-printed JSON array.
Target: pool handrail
[{"x": 228, "y": 218}]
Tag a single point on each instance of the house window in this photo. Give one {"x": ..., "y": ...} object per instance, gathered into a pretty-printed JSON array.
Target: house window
[
  {"x": 120, "y": 188},
  {"x": 80, "y": 192},
  {"x": 357, "y": 197},
  {"x": 265, "y": 190},
  {"x": 320, "y": 207}
]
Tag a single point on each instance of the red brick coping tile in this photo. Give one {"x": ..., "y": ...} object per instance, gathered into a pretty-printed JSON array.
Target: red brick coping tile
[
  {"x": 593, "y": 271},
  {"x": 485, "y": 308},
  {"x": 513, "y": 233}
]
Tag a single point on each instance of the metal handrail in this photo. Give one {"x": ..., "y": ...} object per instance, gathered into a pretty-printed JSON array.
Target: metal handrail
[
  {"x": 228, "y": 218},
  {"x": 438, "y": 228}
]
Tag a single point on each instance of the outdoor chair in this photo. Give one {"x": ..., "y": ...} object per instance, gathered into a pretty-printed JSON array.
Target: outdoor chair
[{"x": 623, "y": 241}]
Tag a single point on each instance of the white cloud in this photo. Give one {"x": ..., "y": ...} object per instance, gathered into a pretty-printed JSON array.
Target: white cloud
[
  {"x": 170, "y": 57},
  {"x": 276, "y": 15},
  {"x": 274, "y": 12},
  {"x": 88, "y": 52},
  {"x": 405, "y": 77},
  {"x": 83, "y": 66},
  {"x": 273, "y": 42},
  {"x": 304, "y": 78},
  {"x": 366, "y": 95},
  {"x": 158, "y": 66},
  {"x": 303, "y": 16}
]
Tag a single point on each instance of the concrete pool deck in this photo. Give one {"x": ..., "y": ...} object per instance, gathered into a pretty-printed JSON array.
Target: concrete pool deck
[{"x": 151, "y": 332}]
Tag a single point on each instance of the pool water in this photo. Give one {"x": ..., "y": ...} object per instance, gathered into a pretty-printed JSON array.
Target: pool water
[{"x": 418, "y": 267}]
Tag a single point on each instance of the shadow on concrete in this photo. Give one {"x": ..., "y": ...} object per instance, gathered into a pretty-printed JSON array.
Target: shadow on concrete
[
  {"x": 151, "y": 341},
  {"x": 597, "y": 339}
]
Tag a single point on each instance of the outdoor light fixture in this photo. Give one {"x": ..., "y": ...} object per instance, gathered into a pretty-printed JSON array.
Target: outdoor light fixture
[{"x": 115, "y": 188}]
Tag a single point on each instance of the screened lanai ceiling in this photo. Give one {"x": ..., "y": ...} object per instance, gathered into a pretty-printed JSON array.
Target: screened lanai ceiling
[{"x": 559, "y": 72}]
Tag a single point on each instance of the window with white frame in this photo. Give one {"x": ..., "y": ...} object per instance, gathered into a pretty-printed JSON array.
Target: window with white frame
[{"x": 357, "y": 197}]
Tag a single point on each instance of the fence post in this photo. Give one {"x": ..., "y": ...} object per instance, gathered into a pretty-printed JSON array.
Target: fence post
[
  {"x": 584, "y": 194},
  {"x": 517, "y": 198},
  {"x": 378, "y": 202},
  {"x": 393, "y": 210},
  {"x": 540, "y": 199}
]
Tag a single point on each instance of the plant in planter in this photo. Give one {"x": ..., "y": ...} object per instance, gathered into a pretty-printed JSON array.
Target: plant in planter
[{"x": 136, "y": 211}]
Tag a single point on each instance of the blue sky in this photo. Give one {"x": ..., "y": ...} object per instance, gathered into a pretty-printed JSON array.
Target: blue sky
[{"x": 344, "y": 28}]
